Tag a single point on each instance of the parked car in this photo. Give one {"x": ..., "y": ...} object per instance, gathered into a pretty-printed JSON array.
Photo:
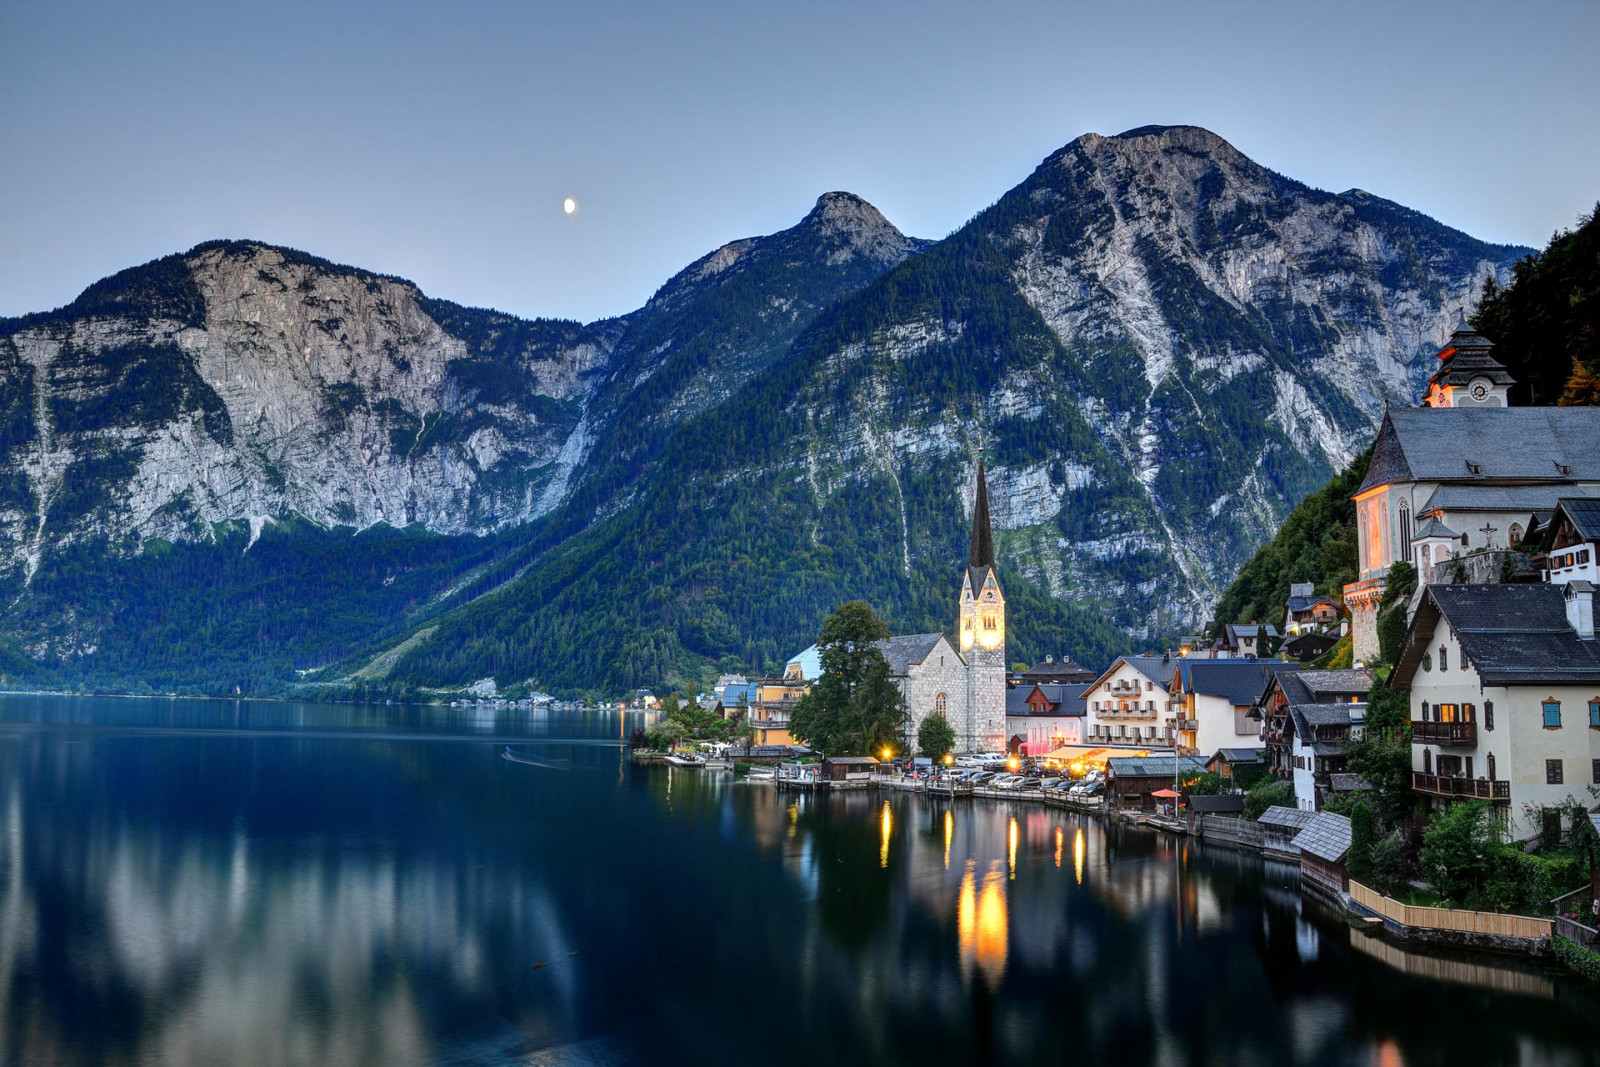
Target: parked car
[{"x": 1028, "y": 784}]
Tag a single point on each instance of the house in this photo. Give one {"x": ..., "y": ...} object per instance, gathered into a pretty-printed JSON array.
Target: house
[
  {"x": 1318, "y": 736},
  {"x": 1285, "y": 688},
  {"x": 1044, "y": 717},
  {"x": 1280, "y": 826},
  {"x": 1465, "y": 472},
  {"x": 1129, "y": 704},
  {"x": 1570, "y": 542},
  {"x": 1131, "y": 780},
  {"x": 1504, "y": 684},
  {"x": 1307, "y": 613},
  {"x": 1308, "y": 647},
  {"x": 1229, "y": 761},
  {"x": 1056, "y": 672},
  {"x": 1323, "y": 845},
  {"x": 848, "y": 768},
  {"x": 1244, "y": 639},
  {"x": 1217, "y": 698}
]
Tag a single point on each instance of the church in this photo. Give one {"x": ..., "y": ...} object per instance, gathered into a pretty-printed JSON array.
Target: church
[
  {"x": 967, "y": 684},
  {"x": 1463, "y": 475}
]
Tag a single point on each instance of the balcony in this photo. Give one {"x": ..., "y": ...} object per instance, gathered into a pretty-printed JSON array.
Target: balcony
[
  {"x": 1443, "y": 733},
  {"x": 1188, "y": 724},
  {"x": 1498, "y": 790}
]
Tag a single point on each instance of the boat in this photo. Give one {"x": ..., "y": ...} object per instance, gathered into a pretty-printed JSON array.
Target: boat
[{"x": 686, "y": 761}]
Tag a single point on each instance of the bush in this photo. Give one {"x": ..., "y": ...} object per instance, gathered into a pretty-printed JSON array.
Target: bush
[
  {"x": 1387, "y": 867},
  {"x": 1583, "y": 961},
  {"x": 1268, "y": 794},
  {"x": 1363, "y": 835},
  {"x": 741, "y": 768},
  {"x": 1527, "y": 884}
]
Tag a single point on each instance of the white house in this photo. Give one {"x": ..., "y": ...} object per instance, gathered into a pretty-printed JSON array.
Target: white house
[
  {"x": 1218, "y": 697},
  {"x": 1129, "y": 704},
  {"x": 1505, "y": 697}
]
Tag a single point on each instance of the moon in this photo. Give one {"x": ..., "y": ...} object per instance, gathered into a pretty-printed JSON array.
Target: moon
[{"x": 569, "y": 205}]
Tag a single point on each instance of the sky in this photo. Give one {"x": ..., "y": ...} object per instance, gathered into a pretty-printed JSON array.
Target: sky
[{"x": 437, "y": 141}]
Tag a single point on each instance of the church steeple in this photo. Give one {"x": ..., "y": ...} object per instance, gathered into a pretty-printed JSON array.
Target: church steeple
[{"x": 981, "y": 554}]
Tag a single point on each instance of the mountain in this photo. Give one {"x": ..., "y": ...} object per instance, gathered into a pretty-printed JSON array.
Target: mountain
[{"x": 1161, "y": 344}]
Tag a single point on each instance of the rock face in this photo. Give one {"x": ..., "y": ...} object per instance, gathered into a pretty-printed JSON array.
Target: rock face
[{"x": 1162, "y": 344}]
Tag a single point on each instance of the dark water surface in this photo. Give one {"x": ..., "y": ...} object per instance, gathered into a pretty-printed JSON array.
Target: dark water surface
[{"x": 216, "y": 883}]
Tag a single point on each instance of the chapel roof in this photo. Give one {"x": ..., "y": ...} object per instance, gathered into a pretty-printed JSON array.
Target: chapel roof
[
  {"x": 1482, "y": 445},
  {"x": 908, "y": 649}
]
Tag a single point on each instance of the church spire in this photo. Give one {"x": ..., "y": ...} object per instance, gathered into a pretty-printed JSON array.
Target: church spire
[{"x": 981, "y": 554}]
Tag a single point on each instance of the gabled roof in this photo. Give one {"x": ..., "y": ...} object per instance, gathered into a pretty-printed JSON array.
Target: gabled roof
[
  {"x": 1157, "y": 669},
  {"x": 1348, "y": 783},
  {"x": 1322, "y": 687},
  {"x": 1512, "y": 635},
  {"x": 1279, "y": 815},
  {"x": 1434, "y": 528},
  {"x": 1057, "y": 669},
  {"x": 1239, "y": 681},
  {"x": 853, "y": 761},
  {"x": 1309, "y": 716},
  {"x": 1528, "y": 445},
  {"x": 1065, "y": 699},
  {"x": 1237, "y": 755},
  {"x": 1584, "y": 512},
  {"x": 1306, "y": 603},
  {"x": 1222, "y": 802},
  {"x": 1326, "y": 837},
  {"x": 908, "y": 649}
]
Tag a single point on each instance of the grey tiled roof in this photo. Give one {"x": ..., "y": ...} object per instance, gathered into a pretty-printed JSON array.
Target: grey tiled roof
[
  {"x": 1238, "y": 755},
  {"x": 1512, "y": 634},
  {"x": 1511, "y": 444},
  {"x": 1316, "y": 687},
  {"x": 1239, "y": 681},
  {"x": 1156, "y": 668},
  {"x": 907, "y": 649},
  {"x": 1068, "y": 699},
  {"x": 1433, "y": 528},
  {"x": 1326, "y": 837},
  {"x": 1348, "y": 783},
  {"x": 1516, "y": 498},
  {"x": 1223, "y": 802},
  {"x": 1150, "y": 766},
  {"x": 1279, "y": 815},
  {"x": 1306, "y": 603}
]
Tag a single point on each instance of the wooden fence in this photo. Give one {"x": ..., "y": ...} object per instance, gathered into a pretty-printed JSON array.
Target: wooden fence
[
  {"x": 1466, "y": 922},
  {"x": 1227, "y": 828}
]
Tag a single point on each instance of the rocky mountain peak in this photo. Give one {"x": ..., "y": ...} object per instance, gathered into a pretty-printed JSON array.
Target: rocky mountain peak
[{"x": 855, "y": 227}]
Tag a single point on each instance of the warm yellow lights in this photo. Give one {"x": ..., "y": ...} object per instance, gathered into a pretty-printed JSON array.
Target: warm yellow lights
[
  {"x": 887, "y": 753},
  {"x": 966, "y": 633},
  {"x": 992, "y": 634},
  {"x": 1077, "y": 856},
  {"x": 1011, "y": 847},
  {"x": 982, "y": 925},
  {"x": 1013, "y": 763},
  {"x": 949, "y": 833},
  {"x": 885, "y": 824},
  {"x": 1060, "y": 835},
  {"x": 948, "y": 759}
]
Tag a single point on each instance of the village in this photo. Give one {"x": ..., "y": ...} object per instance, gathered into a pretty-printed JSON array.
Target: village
[{"x": 1423, "y": 742}]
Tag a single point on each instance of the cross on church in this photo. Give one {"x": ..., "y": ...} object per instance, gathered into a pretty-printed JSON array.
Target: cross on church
[{"x": 1488, "y": 535}]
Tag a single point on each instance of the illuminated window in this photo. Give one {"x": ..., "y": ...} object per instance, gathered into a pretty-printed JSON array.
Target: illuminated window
[
  {"x": 1552, "y": 714},
  {"x": 939, "y": 703}
]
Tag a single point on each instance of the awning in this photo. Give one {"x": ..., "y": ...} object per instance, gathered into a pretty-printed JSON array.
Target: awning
[
  {"x": 1074, "y": 752},
  {"x": 1165, "y": 793}
]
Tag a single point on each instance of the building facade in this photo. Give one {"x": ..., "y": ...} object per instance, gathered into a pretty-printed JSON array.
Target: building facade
[{"x": 1130, "y": 706}]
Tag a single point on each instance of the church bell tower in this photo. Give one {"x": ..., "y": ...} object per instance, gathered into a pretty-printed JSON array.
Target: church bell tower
[{"x": 983, "y": 636}]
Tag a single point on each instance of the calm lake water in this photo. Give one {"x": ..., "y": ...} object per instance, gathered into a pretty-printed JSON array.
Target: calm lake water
[{"x": 216, "y": 883}]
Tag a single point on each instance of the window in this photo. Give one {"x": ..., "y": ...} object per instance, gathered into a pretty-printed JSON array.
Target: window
[
  {"x": 1490, "y": 761},
  {"x": 1449, "y": 713},
  {"x": 1514, "y": 535},
  {"x": 1424, "y": 711},
  {"x": 1552, "y": 772},
  {"x": 1552, "y": 714},
  {"x": 939, "y": 703},
  {"x": 1594, "y": 714},
  {"x": 1427, "y": 761},
  {"x": 1488, "y": 717},
  {"x": 1444, "y": 658},
  {"x": 1596, "y": 770},
  {"x": 1427, "y": 662},
  {"x": 1402, "y": 532},
  {"x": 1466, "y": 713}
]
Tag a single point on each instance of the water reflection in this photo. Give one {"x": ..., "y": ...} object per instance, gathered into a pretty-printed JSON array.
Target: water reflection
[{"x": 303, "y": 899}]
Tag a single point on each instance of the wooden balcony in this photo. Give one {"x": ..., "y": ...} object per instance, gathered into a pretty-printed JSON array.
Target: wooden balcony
[
  {"x": 1188, "y": 724},
  {"x": 1443, "y": 733},
  {"x": 1498, "y": 790}
]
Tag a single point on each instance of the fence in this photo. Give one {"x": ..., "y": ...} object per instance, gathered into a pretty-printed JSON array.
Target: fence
[{"x": 1465, "y": 922}]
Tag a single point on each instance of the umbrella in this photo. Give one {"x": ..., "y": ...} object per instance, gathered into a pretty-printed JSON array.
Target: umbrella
[{"x": 1165, "y": 793}]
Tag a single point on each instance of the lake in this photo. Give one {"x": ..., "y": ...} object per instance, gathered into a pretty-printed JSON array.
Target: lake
[{"x": 218, "y": 882}]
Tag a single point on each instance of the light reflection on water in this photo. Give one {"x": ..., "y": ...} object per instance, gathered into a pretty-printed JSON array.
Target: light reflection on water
[{"x": 172, "y": 894}]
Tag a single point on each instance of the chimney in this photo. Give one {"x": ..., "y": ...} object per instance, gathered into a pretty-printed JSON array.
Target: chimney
[
  {"x": 1049, "y": 659},
  {"x": 1580, "y": 608}
]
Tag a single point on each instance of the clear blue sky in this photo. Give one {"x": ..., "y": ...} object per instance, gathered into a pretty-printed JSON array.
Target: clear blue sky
[{"x": 437, "y": 140}]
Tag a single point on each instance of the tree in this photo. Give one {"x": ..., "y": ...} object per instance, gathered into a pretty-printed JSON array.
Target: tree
[
  {"x": 855, "y": 707},
  {"x": 1204, "y": 784},
  {"x": 1383, "y": 755},
  {"x": 936, "y": 736},
  {"x": 1362, "y": 836},
  {"x": 1268, "y": 794},
  {"x": 1459, "y": 849}
]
